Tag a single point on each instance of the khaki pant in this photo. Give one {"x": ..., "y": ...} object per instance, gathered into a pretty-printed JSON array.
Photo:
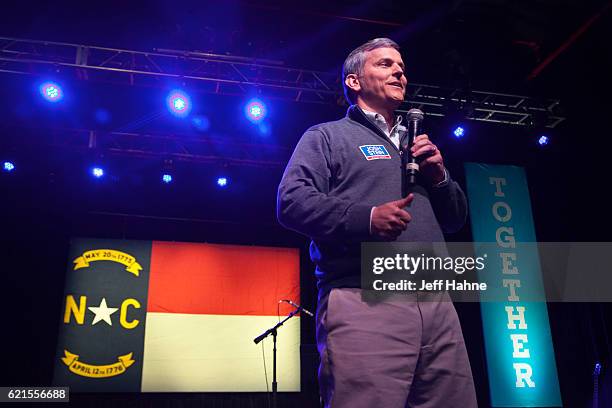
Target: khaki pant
[{"x": 399, "y": 352}]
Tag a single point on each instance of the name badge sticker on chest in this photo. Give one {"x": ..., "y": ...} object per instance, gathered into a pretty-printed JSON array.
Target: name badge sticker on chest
[{"x": 375, "y": 152}]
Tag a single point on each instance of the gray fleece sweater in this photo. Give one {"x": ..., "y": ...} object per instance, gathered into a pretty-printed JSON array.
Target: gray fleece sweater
[{"x": 337, "y": 173}]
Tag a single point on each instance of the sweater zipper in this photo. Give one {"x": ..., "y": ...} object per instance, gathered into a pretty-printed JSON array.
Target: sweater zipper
[{"x": 380, "y": 133}]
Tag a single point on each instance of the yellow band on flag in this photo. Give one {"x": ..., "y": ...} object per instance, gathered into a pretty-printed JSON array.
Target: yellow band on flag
[
  {"x": 97, "y": 371},
  {"x": 108, "y": 255}
]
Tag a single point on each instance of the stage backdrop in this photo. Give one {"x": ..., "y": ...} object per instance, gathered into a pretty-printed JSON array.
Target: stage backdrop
[
  {"x": 519, "y": 350},
  {"x": 176, "y": 317}
]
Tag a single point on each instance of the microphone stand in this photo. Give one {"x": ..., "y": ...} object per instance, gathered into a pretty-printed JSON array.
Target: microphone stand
[{"x": 272, "y": 331}]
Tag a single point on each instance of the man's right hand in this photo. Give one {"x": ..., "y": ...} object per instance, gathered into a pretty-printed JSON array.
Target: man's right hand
[{"x": 389, "y": 220}]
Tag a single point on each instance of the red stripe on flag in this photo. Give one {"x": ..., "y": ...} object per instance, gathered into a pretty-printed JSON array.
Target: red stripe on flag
[{"x": 222, "y": 279}]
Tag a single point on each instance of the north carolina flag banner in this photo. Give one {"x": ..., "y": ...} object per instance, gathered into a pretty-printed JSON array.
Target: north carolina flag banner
[{"x": 176, "y": 317}]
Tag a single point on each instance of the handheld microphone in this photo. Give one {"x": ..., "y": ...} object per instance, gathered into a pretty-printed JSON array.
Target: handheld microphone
[
  {"x": 409, "y": 164},
  {"x": 296, "y": 306}
]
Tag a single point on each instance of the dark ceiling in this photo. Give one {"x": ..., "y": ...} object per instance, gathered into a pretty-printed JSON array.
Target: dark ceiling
[{"x": 490, "y": 45}]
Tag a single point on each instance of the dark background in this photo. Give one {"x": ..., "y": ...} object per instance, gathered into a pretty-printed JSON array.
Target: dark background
[{"x": 480, "y": 45}]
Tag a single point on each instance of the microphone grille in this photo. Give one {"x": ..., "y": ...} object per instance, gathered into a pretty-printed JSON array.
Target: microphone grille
[{"x": 415, "y": 114}]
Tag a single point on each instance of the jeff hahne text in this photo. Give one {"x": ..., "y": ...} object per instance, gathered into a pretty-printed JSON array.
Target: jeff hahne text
[{"x": 404, "y": 263}]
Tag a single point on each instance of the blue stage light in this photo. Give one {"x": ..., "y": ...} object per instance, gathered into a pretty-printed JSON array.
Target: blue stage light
[
  {"x": 8, "y": 166},
  {"x": 51, "y": 91},
  {"x": 459, "y": 132},
  {"x": 179, "y": 103},
  {"x": 255, "y": 110},
  {"x": 167, "y": 178},
  {"x": 97, "y": 172},
  {"x": 543, "y": 140},
  {"x": 222, "y": 181}
]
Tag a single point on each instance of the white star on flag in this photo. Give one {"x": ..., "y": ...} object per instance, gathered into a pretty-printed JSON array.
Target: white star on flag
[{"x": 102, "y": 312}]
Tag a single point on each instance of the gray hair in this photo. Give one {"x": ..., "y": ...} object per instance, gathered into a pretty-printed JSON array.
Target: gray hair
[{"x": 354, "y": 63}]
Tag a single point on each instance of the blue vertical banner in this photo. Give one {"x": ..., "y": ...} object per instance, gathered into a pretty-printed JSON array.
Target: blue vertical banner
[
  {"x": 519, "y": 350},
  {"x": 102, "y": 330}
]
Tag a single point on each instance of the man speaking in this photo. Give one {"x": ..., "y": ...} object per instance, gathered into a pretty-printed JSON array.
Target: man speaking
[{"x": 343, "y": 186}]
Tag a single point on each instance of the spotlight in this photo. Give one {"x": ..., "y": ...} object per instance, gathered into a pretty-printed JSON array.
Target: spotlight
[
  {"x": 222, "y": 181},
  {"x": 8, "y": 166},
  {"x": 167, "y": 178},
  {"x": 459, "y": 132},
  {"x": 255, "y": 110},
  {"x": 51, "y": 91},
  {"x": 97, "y": 172},
  {"x": 543, "y": 140},
  {"x": 179, "y": 103}
]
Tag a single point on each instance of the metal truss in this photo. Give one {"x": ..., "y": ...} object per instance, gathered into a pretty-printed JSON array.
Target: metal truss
[
  {"x": 202, "y": 72},
  {"x": 483, "y": 106},
  {"x": 175, "y": 147},
  {"x": 231, "y": 75}
]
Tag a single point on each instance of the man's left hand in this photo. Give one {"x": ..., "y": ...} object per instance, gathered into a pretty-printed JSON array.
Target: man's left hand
[{"x": 429, "y": 158}]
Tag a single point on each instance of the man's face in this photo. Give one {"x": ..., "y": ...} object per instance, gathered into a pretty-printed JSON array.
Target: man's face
[{"x": 382, "y": 82}]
